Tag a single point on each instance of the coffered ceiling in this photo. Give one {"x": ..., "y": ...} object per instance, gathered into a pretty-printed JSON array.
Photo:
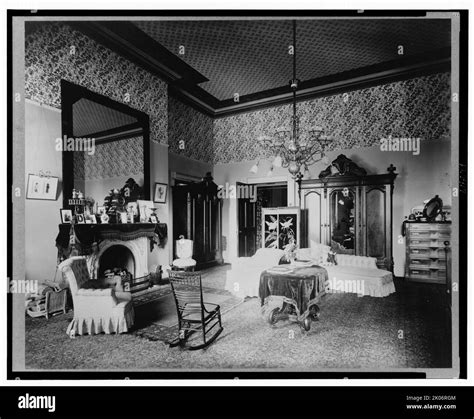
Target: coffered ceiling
[{"x": 209, "y": 61}]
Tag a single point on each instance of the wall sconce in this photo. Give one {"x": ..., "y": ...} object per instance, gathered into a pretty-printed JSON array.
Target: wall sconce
[{"x": 254, "y": 168}]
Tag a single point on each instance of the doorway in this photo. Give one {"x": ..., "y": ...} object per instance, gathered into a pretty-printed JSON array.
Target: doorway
[{"x": 269, "y": 195}]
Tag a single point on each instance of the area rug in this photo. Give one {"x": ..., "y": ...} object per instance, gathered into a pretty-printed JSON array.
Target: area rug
[
  {"x": 146, "y": 296},
  {"x": 156, "y": 317}
]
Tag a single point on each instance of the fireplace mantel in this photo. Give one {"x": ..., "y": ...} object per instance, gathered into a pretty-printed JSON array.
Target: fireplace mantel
[{"x": 86, "y": 237}]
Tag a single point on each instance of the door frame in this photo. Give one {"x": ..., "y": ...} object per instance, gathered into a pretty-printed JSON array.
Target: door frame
[
  {"x": 173, "y": 177},
  {"x": 291, "y": 201}
]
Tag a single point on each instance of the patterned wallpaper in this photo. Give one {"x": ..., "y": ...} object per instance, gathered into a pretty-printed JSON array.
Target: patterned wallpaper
[
  {"x": 417, "y": 107},
  {"x": 190, "y": 129},
  {"x": 114, "y": 159},
  {"x": 49, "y": 58}
]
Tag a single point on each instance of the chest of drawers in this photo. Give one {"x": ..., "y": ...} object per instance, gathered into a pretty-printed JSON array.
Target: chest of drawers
[{"x": 426, "y": 251}]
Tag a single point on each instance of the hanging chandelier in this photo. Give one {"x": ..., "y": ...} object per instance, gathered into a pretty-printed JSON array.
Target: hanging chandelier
[{"x": 293, "y": 148}]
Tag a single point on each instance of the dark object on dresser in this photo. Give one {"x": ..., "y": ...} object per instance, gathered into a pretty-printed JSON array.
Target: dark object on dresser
[
  {"x": 432, "y": 208},
  {"x": 194, "y": 315}
]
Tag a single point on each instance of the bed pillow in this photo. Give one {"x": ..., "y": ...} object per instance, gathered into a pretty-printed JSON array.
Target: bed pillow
[
  {"x": 319, "y": 252},
  {"x": 303, "y": 254}
]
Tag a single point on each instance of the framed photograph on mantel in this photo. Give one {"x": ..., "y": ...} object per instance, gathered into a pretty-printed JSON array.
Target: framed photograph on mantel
[
  {"x": 66, "y": 216},
  {"x": 161, "y": 191}
]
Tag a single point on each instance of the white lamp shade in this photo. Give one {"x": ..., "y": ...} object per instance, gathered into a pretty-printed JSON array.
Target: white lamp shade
[
  {"x": 277, "y": 162},
  {"x": 254, "y": 168},
  {"x": 306, "y": 173}
]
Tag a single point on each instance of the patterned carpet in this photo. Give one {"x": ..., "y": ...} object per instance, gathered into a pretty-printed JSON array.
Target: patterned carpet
[
  {"x": 406, "y": 329},
  {"x": 156, "y": 319}
]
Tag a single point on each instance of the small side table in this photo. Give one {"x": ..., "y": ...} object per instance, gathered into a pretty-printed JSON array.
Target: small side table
[{"x": 49, "y": 302}]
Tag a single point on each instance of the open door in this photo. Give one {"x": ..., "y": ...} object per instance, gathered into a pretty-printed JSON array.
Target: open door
[{"x": 247, "y": 223}]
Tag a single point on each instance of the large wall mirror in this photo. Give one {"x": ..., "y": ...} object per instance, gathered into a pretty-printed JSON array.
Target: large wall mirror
[{"x": 119, "y": 150}]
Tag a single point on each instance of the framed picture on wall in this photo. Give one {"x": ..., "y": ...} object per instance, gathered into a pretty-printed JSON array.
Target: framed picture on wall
[
  {"x": 161, "y": 191},
  {"x": 42, "y": 187}
]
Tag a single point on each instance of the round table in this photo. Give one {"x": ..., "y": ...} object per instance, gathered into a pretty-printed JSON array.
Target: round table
[{"x": 290, "y": 292}]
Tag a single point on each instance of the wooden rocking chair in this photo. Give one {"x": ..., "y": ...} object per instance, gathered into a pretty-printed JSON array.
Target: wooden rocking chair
[{"x": 194, "y": 315}]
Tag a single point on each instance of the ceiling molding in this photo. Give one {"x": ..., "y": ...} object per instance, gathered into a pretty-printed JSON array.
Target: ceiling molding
[
  {"x": 132, "y": 43},
  {"x": 344, "y": 82}
]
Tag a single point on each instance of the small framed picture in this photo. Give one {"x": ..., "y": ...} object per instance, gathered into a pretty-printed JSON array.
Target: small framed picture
[
  {"x": 161, "y": 191},
  {"x": 154, "y": 218},
  {"x": 101, "y": 210},
  {"x": 90, "y": 219},
  {"x": 42, "y": 187},
  {"x": 66, "y": 216},
  {"x": 144, "y": 207},
  {"x": 80, "y": 219},
  {"x": 132, "y": 208}
]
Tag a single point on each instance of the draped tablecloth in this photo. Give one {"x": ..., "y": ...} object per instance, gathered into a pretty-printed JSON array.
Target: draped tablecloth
[
  {"x": 302, "y": 284},
  {"x": 87, "y": 236}
]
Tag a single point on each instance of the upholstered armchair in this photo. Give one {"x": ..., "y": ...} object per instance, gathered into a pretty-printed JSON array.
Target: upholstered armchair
[
  {"x": 96, "y": 310},
  {"x": 244, "y": 278}
]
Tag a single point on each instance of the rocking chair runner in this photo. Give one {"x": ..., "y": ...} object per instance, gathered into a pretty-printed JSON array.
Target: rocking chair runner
[{"x": 194, "y": 315}]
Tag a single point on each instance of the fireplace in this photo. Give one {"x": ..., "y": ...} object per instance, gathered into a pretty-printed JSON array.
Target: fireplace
[
  {"x": 130, "y": 254},
  {"x": 116, "y": 256},
  {"x": 108, "y": 246}
]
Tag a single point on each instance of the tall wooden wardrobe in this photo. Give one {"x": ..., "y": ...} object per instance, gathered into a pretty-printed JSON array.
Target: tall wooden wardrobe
[
  {"x": 197, "y": 215},
  {"x": 349, "y": 210}
]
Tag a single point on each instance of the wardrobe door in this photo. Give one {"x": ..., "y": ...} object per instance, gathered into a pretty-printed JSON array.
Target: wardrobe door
[
  {"x": 199, "y": 230},
  {"x": 375, "y": 221},
  {"x": 312, "y": 217},
  {"x": 343, "y": 219}
]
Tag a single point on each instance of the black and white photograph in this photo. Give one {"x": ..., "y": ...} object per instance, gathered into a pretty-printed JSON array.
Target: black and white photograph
[
  {"x": 66, "y": 216},
  {"x": 300, "y": 180}
]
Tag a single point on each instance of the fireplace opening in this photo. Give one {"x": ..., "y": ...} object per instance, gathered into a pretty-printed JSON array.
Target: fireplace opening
[{"x": 116, "y": 257}]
